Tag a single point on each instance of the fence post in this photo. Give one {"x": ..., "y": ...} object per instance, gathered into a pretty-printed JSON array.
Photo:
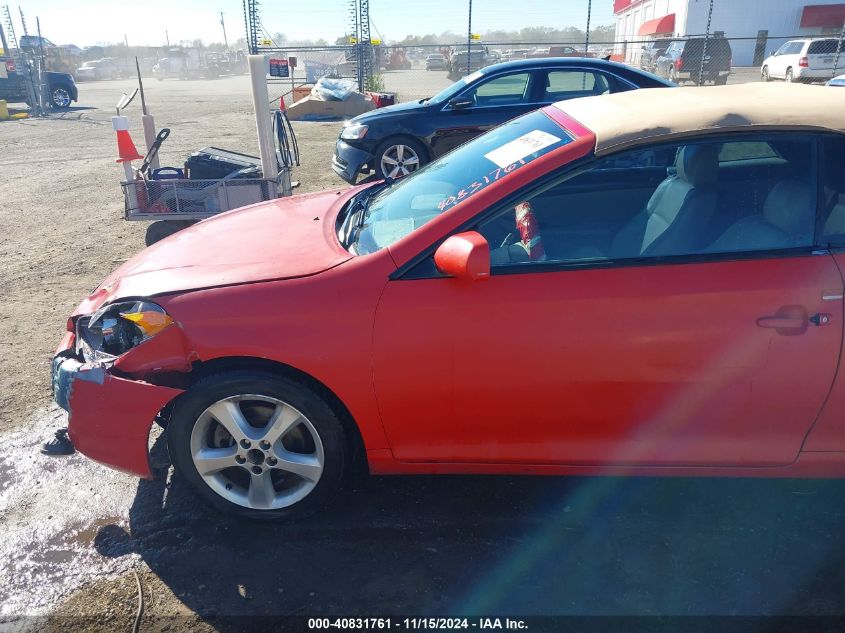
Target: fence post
[
  {"x": 587, "y": 39},
  {"x": 704, "y": 48},
  {"x": 838, "y": 51},
  {"x": 469, "y": 39}
]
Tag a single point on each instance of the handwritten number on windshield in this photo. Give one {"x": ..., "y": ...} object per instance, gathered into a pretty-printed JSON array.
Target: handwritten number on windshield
[{"x": 477, "y": 185}]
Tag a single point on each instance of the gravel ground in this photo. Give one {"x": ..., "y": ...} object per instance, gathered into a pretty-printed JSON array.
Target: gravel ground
[{"x": 75, "y": 533}]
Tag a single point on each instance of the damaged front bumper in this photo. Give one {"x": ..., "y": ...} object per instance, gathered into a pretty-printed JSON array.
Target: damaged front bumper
[
  {"x": 109, "y": 417},
  {"x": 349, "y": 162}
]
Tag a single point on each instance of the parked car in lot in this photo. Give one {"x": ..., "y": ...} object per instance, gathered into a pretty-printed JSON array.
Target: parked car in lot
[
  {"x": 807, "y": 60},
  {"x": 682, "y": 60},
  {"x": 458, "y": 65},
  {"x": 398, "y": 140},
  {"x": 837, "y": 81},
  {"x": 98, "y": 70},
  {"x": 436, "y": 61},
  {"x": 667, "y": 279},
  {"x": 651, "y": 52},
  {"x": 61, "y": 88}
]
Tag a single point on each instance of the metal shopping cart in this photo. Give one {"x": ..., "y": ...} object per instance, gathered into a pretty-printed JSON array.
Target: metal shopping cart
[{"x": 174, "y": 198}]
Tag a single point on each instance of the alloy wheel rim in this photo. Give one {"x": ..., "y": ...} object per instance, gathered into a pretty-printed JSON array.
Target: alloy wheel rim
[
  {"x": 61, "y": 98},
  {"x": 399, "y": 160},
  {"x": 257, "y": 451}
]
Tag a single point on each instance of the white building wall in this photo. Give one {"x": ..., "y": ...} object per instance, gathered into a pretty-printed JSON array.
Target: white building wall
[{"x": 737, "y": 18}]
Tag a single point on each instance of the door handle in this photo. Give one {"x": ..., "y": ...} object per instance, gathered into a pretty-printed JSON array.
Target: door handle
[{"x": 790, "y": 323}]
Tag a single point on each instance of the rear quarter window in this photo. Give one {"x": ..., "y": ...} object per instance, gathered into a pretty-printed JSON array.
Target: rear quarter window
[
  {"x": 746, "y": 150},
  {"x": 822, "y": 47}
]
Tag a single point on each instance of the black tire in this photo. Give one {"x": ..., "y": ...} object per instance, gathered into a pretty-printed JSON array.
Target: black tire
[
  {"x": 764, "y": 74},
  {"x": 393, "y": 142},
  {"x": 788, "y": 77},
  {"x": 157, "y": 231},
  {"x": 721, "y": 80},
  {"x": 207, "y": 391},
  {"x": 60, "y": 96}
]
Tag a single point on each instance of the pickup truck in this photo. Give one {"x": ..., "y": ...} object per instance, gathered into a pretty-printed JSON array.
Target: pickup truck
[{"x": 61, "y": 89}]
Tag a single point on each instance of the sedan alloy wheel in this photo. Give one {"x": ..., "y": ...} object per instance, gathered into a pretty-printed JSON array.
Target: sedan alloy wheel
[
  {"x": 257, "y": 451},
  {"x": 399, "y": 160}
]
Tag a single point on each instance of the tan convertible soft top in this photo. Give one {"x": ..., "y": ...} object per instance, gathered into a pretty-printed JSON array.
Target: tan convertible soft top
[{"x": 631, "y": 118}]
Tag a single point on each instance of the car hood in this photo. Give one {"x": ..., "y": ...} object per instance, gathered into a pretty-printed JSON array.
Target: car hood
[
  {"x": 398, "y": 109},
  {"x": 280, "y": 239}
]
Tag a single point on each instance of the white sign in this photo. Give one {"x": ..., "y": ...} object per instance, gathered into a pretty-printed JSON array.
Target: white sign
[{"x": 521, "y": 147}]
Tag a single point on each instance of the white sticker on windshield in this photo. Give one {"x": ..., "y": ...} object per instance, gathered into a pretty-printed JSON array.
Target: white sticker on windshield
[{"x": 521, "y": 147}]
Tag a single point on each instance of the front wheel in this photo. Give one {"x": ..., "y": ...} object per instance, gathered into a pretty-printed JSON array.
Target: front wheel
[
  {"x": 160, "y": 229},
  {"x": 257, "y": 445},
  {"x": 399, "y": 157},
  {"x": 764, "y": 74},
  {"x": 60, "y": 97},
  {"x": 788, "y": 78}
]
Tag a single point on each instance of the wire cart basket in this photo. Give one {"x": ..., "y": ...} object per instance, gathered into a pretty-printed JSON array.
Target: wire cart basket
[{"x": 183, "y": 199}]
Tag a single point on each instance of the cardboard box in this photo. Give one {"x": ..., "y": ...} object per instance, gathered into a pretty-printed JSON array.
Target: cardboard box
[{"x": 314, "y": 108}]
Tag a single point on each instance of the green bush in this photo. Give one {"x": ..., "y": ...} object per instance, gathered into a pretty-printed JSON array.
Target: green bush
[{"x": 374, "y": 83}]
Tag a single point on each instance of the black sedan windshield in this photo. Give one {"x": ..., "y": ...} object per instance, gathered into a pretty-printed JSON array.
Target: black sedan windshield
[{"x": 409, "y": 203}]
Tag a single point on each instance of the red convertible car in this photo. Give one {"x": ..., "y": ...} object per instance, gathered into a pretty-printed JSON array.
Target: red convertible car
[{"x": 642, "y": 283}]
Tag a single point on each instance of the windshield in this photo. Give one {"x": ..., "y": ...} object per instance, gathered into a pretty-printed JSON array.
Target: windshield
[
  {"x": 407, "y": 204},
  {"x": 447, "y": 93}
]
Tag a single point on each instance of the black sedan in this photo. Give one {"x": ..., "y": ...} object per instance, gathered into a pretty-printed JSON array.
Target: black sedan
[{"x": 399, "y": 139}]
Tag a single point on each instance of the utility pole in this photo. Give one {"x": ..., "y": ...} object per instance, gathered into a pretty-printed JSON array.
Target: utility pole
[
  {"x": 167, "y": 37},
  {"x": 223, "y": 24}
]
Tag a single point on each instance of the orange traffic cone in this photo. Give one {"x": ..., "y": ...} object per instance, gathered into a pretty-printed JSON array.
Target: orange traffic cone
[
  {"x": 282, "y": 104},
  {"x": 126, "y": 149}
]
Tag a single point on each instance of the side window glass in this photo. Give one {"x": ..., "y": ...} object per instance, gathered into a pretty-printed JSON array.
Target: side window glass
[
  {"x": 569, "y": 84},
  {"x": 833, "y": 191},
  {"x": 665, "y": 201},
  {"x": 504, "y": 90}
]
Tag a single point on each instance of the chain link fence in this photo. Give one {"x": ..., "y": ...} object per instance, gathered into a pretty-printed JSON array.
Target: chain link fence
[{"x": 690, "y": 42}]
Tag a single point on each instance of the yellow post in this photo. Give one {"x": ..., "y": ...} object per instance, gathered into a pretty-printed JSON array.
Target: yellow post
[{"x": 4, "y": 110}]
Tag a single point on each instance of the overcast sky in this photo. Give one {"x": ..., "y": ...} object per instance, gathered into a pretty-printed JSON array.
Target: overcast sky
[{"x": 87, "y": 22}]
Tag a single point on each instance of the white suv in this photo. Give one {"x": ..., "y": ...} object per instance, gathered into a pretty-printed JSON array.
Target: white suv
[{"x": 805, "y": 60}]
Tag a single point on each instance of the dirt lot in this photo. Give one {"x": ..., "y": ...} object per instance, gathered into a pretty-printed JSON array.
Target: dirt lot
[{"x": 74, "y": 533}]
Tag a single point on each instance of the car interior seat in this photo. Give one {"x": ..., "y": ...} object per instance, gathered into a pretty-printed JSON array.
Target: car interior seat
[
  {"x": 679, "y": 210},
  {"x": 788, "y": 220},
  {"x": 677, "y": 213}
]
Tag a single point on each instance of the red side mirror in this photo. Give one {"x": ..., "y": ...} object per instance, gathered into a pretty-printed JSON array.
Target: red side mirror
[{"x": 464, "y": 256}]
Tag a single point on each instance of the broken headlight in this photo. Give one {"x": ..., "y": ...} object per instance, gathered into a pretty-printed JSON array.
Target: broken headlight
[{"x": 116, "y": 328}]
